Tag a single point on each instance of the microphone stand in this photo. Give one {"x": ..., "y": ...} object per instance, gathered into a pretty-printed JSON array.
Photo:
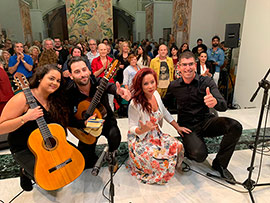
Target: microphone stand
[
  {"x": 111, "y": 162},
  {"x": 250, "y": 184}
]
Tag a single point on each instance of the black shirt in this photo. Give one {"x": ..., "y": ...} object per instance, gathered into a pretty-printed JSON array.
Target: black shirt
[
  {"x": 75, "y": 97},
  {"x": 63, "y": 54},
  {"x": 190, "y": 99},
  {"x": 119, "y": 74},
  {"x": 18, "y": 139}
]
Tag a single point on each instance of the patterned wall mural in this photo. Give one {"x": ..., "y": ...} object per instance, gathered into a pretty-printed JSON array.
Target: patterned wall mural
[
  {"x": 149, "y": 21},
  {"x": 26, "y": 21},
  {"x": 181, "y": 20},
  {"x": 89, "y": 19}
]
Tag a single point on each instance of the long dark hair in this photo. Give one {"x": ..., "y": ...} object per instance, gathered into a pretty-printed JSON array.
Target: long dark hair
[
  {"x": 138, "y": 95},
  {"x": 57, "y": 103},
  {"x": 72, "y": 50},
  {"x": 180, "y": 49},
  {"x": 176, "y": 48},
  {"x": 144, "y": 56}
]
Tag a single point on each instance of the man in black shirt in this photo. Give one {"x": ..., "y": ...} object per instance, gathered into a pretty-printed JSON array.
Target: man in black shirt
[
  {"x": 195, "y": 95},
  {"x": 84, "y": 86},
  {"x": 62, "y": 52},
  {"x": 199, "y": 44}
]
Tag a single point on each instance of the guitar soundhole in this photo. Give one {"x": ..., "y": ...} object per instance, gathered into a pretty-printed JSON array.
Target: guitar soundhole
[
  {"x": 83, "y": 114},
  {"x": 50, "y": 143}
]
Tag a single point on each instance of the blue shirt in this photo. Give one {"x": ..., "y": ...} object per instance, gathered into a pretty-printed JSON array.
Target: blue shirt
[
  {"x": 129, "y": 74},
  {"x": 216, "y": 56},
  {"x": 21, "y": 68}
]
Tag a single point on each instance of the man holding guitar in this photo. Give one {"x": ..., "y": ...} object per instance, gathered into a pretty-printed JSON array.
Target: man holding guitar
[{"x": 86, "y": 86}]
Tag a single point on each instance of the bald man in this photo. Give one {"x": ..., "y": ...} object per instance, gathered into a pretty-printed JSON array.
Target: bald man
[
  {"x": 163, "y": 66},
  {"x": 99, "y": 66}
]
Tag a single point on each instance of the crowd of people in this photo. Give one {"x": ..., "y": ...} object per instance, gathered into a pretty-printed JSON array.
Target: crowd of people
[{"x": 151, "y": 80}]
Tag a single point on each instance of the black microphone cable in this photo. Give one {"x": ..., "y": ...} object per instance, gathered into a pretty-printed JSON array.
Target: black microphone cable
[{"x": 103, "y": 190}]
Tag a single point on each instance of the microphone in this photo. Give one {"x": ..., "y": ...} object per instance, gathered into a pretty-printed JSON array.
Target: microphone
[{"x": 97, "y": 166}]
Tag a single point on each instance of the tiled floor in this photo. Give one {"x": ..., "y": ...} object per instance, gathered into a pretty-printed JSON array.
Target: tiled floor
[{"x": 191, "y": 186}]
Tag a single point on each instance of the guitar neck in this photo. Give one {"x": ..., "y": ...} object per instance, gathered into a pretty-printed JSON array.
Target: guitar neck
[
  {"x": 96, "y": 98},
  {"x": 45, "y": 132}
]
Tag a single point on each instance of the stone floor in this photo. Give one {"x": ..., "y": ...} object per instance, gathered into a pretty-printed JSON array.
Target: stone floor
[{"x": 191, "y": 186}]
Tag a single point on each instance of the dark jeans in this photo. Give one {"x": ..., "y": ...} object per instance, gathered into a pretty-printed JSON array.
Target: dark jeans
[
  {"x": 111, "y": 132},
  {"x": 195, "y": 147}
]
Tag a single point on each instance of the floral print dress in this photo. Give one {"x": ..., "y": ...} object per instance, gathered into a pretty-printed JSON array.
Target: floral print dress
[{"x": 153, "y": 159}]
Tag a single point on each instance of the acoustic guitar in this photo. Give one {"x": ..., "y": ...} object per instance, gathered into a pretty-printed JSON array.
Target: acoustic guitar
[
  {"x": 57, "y": 163},
  {"x": 88, "y": 107}
]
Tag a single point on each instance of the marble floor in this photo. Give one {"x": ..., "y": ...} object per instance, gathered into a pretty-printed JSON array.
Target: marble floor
[{"x": 192, "y": 186}]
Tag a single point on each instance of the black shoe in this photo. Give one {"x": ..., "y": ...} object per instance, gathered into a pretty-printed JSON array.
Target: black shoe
[
  {"x": 224, "y": 173},
  {"x": 25, "y": 182}
]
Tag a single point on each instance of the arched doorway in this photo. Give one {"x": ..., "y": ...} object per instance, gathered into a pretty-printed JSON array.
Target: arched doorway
[
  {"x": 122, "y": 24},
  {"x": 56, "y": 23}
]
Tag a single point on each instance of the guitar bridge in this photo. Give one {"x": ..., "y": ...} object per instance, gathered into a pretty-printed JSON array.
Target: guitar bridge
[{"x": 60, "y": 165}]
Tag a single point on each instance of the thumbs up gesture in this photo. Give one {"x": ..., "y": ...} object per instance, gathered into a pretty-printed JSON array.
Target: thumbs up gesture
[{"x": 209, "y": 100}]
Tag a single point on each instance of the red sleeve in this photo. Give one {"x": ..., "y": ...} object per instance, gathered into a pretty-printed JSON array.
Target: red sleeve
[
  {"x": 94, "y": 65},
  {"x": 110, "y": 59},
  {"x": 5, "y": 87}
]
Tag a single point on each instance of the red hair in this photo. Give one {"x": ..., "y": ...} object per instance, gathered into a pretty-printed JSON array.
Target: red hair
[{"x": 137, "y": 90}]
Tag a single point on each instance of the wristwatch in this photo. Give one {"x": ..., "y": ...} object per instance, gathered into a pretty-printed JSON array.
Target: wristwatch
[{"x": 23, "y": 61}]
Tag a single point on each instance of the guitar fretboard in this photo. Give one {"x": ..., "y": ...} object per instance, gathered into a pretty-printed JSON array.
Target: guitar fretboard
[
  {"x": 45, "y": 132},
  {"x": 96, "y": 98}
]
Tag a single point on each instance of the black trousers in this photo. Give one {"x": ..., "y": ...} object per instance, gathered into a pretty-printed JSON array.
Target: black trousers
[
  {"x": 26, "y": 159},
  {"x": 195, "y": 147},
  {"x": 111, "y": 132}
]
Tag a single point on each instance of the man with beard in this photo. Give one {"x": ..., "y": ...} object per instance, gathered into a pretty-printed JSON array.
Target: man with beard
[
  {"x": 60, "y": 51},
  {"x": 85, "y": 86},
  {"x": 216, "y": 55}
]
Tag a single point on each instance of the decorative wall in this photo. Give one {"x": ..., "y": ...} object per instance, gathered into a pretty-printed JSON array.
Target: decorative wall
[
  {"x": 26, "y": 20},
  {"x": 181, "y": 20},
  {"x": 89, "y": 19},
  {"x": 149, "y": 20}
]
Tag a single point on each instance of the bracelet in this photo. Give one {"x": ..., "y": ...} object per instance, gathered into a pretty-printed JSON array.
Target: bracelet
[
  {"x": 22, "y": 121},
  {"x": 23, "y": 61}
]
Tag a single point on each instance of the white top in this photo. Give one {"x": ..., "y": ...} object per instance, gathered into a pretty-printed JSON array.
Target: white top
[
  {"x": 140, "y": 63},
  {"x": 203, "y": 69},
  {"x": 91, "y": 56},
  {"x": 129, "y": 74},
  {"x": 135, "y": 113}
]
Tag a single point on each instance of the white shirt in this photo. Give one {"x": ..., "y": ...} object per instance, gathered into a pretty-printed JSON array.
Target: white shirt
[
  {"x": 91, "y": 56},
  {"x": 129, "y": 74},
  {"x": 135, "y": 113},
  {"x": 203, "y": 69}
]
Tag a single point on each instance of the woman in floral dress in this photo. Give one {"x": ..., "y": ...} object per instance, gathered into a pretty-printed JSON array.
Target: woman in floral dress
[{"x": 153, "y": 155}]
